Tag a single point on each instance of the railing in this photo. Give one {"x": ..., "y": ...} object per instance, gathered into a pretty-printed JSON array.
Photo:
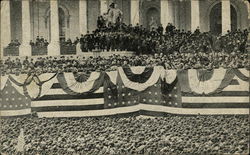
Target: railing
[
  {"x": 11, "y": 51},
  {"x": 39, "y": 50},
  {"x": 68, "y": 49}
]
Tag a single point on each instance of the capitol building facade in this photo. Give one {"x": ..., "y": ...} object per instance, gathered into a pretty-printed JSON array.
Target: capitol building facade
[{"x": 54, "y": 20}]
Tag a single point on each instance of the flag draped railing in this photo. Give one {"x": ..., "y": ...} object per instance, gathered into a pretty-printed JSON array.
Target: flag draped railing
[{"x": 131, "y": 89}]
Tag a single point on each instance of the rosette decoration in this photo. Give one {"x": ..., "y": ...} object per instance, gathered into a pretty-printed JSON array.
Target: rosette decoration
[
  {"x": 79, "y": 83},
  {"x": 140, "y": 78}
]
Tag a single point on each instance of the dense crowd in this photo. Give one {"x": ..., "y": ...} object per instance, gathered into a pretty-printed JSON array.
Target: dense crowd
[
  {"x": 176, "y": 60},
  {"x": 14, "y": 43},
  {"x": 173, "y": 49},
  {"x": 122, "y": 37},
  {"x": 128, "y": 135}
]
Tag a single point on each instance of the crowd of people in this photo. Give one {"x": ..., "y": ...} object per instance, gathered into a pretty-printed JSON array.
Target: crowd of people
[
  {"x": 176, "y": 60},
  {"x": 40, "y": 42},
  {"x": 170, "y": 134},
  {"x": 14, "y": 43},
  {"x": 122, "y": 37}
]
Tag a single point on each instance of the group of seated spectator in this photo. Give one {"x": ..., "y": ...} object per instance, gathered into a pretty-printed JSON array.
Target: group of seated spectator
[
  {"x": 40, "y": 42},
  {"x": 176, "y": 60},
  {"x": 14, "y": 43},
  {"x": 69, "y": 42},
  {"x": 223, "y": 134}
]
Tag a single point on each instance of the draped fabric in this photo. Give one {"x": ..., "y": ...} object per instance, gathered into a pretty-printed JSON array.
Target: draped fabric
[
  {"x": 169, "y": 76},
  {"x": 81, "y": 77},
  {"x": 137, "y": 69},
  {"x": 3, "y": 81},
  {"x": 111, "y": 93},
  {"x": 138, "y": 75},
  {"x": 204, "y": 75},
  {"x": 30, "y": 86},
  {"x": 203, "y": 82},
  {"x": 149, "y": 78},
  {"x": 73, "y": 87},
  {"x": 243, "y": 74},
  {"x": 12, "y": 102},
  {"x": 53, "y": 94},
  {"x": 190, "y": 82},
  {"x": 47, "y": 82},
  {"x": 112, "y": 76},
  {"x": 19, "y": 81}
]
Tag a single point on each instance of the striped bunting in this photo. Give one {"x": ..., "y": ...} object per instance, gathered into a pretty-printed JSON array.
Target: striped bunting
[
  {"x": 222, "y": 91},
  {"x": 234, "y": 95},
  {"x": 56, "y": 99},
  {"x": 149, "y": 108}
]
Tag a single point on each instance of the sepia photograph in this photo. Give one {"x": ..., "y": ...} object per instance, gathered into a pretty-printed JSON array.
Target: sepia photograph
[{"x": 125, "y": 77}]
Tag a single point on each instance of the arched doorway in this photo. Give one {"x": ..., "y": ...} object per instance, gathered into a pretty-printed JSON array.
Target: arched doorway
[
  {"x": 153, "y": 17},
  {"x": 216, "y": 20}
]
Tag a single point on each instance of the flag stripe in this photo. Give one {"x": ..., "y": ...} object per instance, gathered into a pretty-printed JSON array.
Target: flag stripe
[
  {"x": 49, "y": 103},
  {"x": 69, "y": 108},
  {"x": 221, "y": 94},
  {"x": 68, "y": 97},
  {"x": 146, "y": 107},
  {"x": 215, "y": 105},
  {"x": 15, "y": 112},
  {"x": 237, "y": 88},
  {"x": 56, "y": 86},
  {"x": 61, "y": 91},
  {"x": 224, "y": 99},
  {"x": 234, "y": 82}
]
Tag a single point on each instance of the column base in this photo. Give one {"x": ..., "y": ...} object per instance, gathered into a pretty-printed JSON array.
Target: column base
[
  {"x": 25, "y": 50},
  {"x": 78, "y": 49},
  {"x": 2, "y": 55},
  {"x": 54, "y": 49}
]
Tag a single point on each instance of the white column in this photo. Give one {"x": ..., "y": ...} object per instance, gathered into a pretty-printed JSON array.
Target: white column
[
  {"x": 166, "y": 12},
  {"x": 195, "y": 15},
  {"x": 226, "y": 16},
  {"x": 5, "y": 25},
  {"x": 176, "y": 14},
  {"x": 134, "y": 12},
  {"x": 103, "y": 6},
  {"x": 25, "y": 48},
  {"x": 54, "y": 46},
  {"x": 83, "y": 16}
]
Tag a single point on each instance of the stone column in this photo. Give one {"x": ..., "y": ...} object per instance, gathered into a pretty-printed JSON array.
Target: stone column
[
  {"x": 226, "y": 16},
  {"x": 25, "y": 48},
  {"x": 176, "y": 14},
  {"x": 54, "y": 46},
  {"x": 83, "y": 21},
  {"x": 134, "y": 12},
  {"x": 103, "y": 6},
  {"x": 166, "y": 12},
  {"x": 195, "y": 15},
  {"x": 5, "y": 25}
]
